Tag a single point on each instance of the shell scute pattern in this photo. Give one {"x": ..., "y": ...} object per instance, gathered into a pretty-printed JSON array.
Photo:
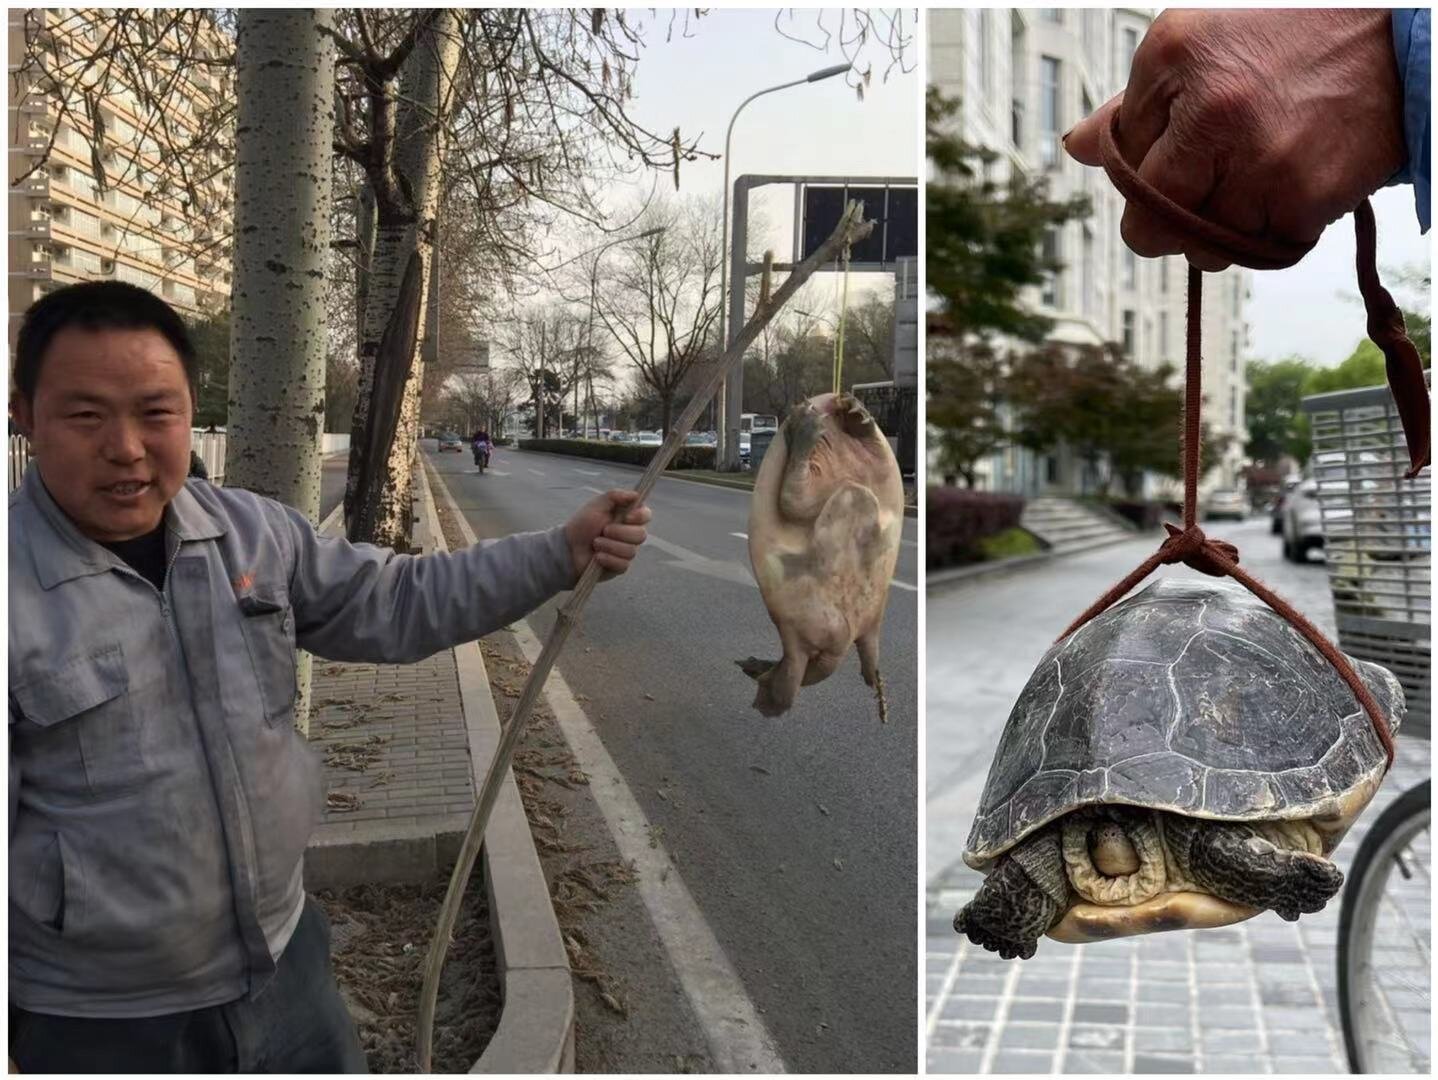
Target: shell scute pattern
[{"x": 1190, "y": 697}]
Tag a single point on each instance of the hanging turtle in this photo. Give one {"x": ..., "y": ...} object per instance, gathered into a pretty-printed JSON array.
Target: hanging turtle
[
  {"x": 1186, "y": 759},
  {"x": 825, "y": 523}
]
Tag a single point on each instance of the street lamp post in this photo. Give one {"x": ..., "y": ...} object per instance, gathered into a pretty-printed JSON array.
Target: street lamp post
[
  {"x": 594, "y": 288},
  {"x": 729, "y": 439}
]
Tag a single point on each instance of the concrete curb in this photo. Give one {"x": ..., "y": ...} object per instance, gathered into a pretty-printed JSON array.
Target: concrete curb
[
  {"x": 536, "y": 1027},
  {"x": 938, "y": 580}
]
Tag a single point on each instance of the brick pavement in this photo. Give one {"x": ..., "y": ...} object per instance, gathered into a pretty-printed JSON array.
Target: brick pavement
[
  {"x": 404, "y": 724},
  {"x": 1259, "y": 996}
]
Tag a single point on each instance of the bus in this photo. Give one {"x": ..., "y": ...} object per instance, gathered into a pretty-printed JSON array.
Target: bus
[{"x": 750, "y": 422}]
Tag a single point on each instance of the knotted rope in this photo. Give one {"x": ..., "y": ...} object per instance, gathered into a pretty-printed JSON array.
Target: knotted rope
[{"x": 1189, "y": 545}]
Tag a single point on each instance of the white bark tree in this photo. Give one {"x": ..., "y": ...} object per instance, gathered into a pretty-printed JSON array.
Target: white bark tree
[{"x": 285, "y": 89}]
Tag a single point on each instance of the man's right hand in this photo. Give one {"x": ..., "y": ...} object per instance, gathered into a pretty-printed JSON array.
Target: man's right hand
[{"x": 1274, "y": 123}]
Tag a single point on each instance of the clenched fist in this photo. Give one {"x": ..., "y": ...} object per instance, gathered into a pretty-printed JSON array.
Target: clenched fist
[
  {"x": 594, "y": 533},
  {"x": 1274, "y": 123}
]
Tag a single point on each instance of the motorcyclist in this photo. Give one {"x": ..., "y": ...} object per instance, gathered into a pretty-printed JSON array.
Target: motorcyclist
[{"x": 482, "y": 446}]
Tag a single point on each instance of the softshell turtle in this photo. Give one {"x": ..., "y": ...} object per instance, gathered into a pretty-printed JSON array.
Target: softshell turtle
[
  {"x": 824, "y": 529},
  {"x": 1186, "y": 759}
]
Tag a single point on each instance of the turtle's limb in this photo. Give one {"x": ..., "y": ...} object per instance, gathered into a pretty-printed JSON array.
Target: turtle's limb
[
  {"x": 869, "y": 667},
  {"x": 1235, "y": 863},
  {"x": 1022, "y": 897},
  {"x": 803, "y": 490},
  {"x": 858, "y": 421}
]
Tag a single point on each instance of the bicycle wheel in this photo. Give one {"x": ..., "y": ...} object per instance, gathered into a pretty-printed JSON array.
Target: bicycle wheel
[{"x": 1384, "y": 947}]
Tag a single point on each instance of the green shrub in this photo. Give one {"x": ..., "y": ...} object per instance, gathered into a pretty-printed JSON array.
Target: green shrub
[
  {"x": 1009, "y": 543},
  {"x": 688, "y": 457}
]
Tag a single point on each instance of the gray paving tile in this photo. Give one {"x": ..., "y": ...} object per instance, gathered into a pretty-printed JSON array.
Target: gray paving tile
[
  {"x": 1104, "y": 989},
  {"x": 1172, "y": 1040},
  {"x": 1036, "y": 986},
  {"x": 1165, "y": 1016},
  {"x": 977, "y": 986},
  {"x": 1048, "y": 1011},
  {"x": 1154, "y": 1063},
  {"x": 960, "y": 1036},
  {"x": 1308, "y": 1065},
  {"x": 1171, "y": 993},
  {"x": 1096, "y": 1037},
  {"x": 1083, "y": 1061},
  {"x": 1029, "y": 1037},
  {"x": 969, "y": 1008},
  {"x": 1297, "y": 992},
  {"x": 1229, "y": 1016},
  {"x": 1090, "y": 1012},
  {"x": 1230, "y": 1042},
  {"x": 1021, "y": 1062},
  {"x": 941, "y": 1060},
  {"x": 1231, "y": 1064}
]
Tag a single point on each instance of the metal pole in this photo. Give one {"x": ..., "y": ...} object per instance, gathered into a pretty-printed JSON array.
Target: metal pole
[
  {"x": 728, "y": 449},
  {"x": 733, "y": 401}
]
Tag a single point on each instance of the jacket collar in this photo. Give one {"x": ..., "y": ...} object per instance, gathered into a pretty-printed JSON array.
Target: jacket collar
[{"x": 75, "y": 555}]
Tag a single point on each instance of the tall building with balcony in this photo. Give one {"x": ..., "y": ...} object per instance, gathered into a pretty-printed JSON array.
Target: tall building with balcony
[
  {"x": 1024, "y": 77},
  {"x": 64, "y": 227}
]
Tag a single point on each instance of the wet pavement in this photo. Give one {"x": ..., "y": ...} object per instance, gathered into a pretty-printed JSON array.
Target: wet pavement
[{"x": 1259, "y": 996}]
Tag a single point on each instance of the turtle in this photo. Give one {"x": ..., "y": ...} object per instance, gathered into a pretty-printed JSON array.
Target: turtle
[
  {"x": 1186, "y": 759},
  {"x": 825, "y": 522}
]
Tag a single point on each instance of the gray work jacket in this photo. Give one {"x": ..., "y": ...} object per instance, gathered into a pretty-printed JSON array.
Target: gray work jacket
[{"x": 160, "y": 797}]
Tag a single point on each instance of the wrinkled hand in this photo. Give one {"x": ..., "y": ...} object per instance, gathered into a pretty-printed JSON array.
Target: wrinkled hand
[
  {"x": 1274, "y": 122},
  {"x": 593, "y": 533}
]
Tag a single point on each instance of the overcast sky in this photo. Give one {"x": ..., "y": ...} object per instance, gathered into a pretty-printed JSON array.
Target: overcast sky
[
  {"x": 696, "y": 82},
  {"x": 1313, "y": 309}
]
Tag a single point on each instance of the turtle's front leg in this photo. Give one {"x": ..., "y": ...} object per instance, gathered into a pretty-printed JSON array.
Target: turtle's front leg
[
  {"x": 1235, "y": 863},
  {"x": 1022, "y": 897}
]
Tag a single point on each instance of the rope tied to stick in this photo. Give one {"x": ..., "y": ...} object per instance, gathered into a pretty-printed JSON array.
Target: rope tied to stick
[{"x": 1189, "y": 545}]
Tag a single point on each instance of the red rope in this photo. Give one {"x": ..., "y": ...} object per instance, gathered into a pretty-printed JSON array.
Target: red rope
[{"x": 1189, "y": 545}]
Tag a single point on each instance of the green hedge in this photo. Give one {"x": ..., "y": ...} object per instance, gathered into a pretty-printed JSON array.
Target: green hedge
[{"x": 689, "y": 457}]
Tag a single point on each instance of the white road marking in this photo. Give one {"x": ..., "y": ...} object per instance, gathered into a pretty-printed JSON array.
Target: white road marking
[
  {"x": 741, "y": 536},
  {"x": 685, "y": 559},
  {"x": 896, "y": 583},
  {"x": 589, "y": 472},
  {"x": 910, "y": 543},
  {"x": 597, "y": 491},
  {"x": 536, "y": 472},
  {"x": 738, "y": 1040},
  {"x": 498, "y": 472}
]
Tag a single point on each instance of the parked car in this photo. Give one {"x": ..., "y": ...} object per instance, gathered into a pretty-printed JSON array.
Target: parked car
[
  {"x": 744, "y": 447},
  {"x": 450, "y": 441},
  {"x": 697, "y": 438},
  {"x": 1224, "y": 504},
  {"x": 649, "y": 438},
  {"x": 1276, "y": 510},
  {"x": 1302, "y": 522}
]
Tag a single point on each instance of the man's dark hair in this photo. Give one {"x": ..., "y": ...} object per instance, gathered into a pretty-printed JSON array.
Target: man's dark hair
[{"x": 95, "y": 305}]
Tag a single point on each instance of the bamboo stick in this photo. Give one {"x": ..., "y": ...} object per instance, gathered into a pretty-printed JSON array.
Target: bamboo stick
[{"x": 851, "y": 229}]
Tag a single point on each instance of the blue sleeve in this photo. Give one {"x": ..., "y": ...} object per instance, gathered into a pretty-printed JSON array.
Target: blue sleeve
[{"x": 1411, "y": 31}]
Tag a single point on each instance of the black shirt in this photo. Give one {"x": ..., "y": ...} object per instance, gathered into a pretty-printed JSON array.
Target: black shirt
[{"x": 145, "y": 555}]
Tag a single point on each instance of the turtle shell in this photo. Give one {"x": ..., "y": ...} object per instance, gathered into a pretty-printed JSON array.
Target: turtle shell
[{"x": 1191, "y": 697}]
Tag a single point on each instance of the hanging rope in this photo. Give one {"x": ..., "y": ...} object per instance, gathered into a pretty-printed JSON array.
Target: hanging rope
[
  {"x": 1189, "y": 545},
  {"x": 839, "y": 337}
]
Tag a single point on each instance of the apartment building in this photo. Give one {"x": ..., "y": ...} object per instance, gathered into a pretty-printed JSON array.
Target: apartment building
[
  {"x": 1025, "y": 76},
  {"x": 63, "y": 226}
]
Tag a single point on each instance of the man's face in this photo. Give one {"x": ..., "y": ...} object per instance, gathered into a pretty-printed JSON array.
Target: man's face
[{"x": 109, "y": 428}]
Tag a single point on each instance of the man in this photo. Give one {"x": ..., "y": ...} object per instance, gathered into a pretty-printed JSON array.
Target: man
[
  {"x": 160, "y": 798},
  {"x": 1272, "y": 122}
]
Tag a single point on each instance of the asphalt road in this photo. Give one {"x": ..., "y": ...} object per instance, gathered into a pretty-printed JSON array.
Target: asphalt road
[
  {"x": 332, "y": 482},
  {"x": 796, "y": 837},
  {"x": 985, "y": 638}
]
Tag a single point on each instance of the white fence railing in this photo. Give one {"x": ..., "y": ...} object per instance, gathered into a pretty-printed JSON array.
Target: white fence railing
[{"x": 210, "y": 445}]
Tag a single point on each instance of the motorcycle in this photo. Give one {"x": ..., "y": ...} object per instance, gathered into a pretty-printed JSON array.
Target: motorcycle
[{"x": 481, "y": 456}]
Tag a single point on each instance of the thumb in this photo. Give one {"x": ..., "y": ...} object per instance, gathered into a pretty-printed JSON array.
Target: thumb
[{"x": 1081, "y": 141}]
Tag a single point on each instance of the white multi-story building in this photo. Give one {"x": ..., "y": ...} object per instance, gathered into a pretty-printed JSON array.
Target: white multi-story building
[
  {"x": 63, "y": 226},
  {"x": 1024, "y": 77}
]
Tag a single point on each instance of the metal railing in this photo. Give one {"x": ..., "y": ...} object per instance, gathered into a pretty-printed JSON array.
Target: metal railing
[
  {"x": 1377, "y": 537},
  {"x": 210, "y": 445}
]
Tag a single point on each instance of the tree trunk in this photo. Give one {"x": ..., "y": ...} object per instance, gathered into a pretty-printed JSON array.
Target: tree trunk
[
  {"x": 283, "y": 146},
  {"x": 666, "y": 411},
  {"x": 378, "y": 494},
  {"x": 364, "y": 237}
]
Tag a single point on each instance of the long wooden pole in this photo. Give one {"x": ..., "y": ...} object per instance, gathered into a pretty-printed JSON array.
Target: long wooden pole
[{"x": 851, "y": 229}]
